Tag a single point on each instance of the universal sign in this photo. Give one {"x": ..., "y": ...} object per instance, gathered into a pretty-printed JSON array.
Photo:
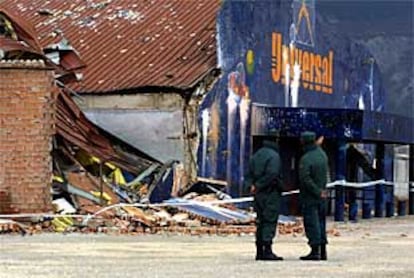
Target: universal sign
[{"x": 317, "y": 70}]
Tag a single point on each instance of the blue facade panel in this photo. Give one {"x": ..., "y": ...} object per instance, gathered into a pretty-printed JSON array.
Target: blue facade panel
[
  {"x": 388, "y": 127},
  {"x": 331, "y": 123}
]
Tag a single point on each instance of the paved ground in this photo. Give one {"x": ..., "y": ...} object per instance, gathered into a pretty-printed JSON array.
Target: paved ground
[{"x": 374, "y": 248}]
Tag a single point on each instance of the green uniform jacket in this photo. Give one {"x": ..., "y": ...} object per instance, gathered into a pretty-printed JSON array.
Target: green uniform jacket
[
  {"x": 313, "y": 168},
  {"x": 265, "y": 173},
  {"x": 265, "y": 170}
]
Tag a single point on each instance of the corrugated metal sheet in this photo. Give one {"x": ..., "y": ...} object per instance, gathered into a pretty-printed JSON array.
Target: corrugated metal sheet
[
  {"x": 128, "y": 44},
  {"x": 220, "y": 214},
  {"x": 159, "y": 140}
]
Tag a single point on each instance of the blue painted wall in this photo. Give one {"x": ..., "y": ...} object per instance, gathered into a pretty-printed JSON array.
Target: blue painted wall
[
  {"x": 245, "y": 30},
  {"x": 245, "y": 26}
]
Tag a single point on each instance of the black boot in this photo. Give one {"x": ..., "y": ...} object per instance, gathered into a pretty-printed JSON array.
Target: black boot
[
  {"x": 259, "y": 250},
  {"x": 324, "y": 255},
  {"x": 314, "y": 255},
  {"x": 268, "y": 254}
]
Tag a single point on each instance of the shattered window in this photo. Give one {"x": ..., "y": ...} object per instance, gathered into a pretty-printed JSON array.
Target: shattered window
[{"x": 6, "y": 28}]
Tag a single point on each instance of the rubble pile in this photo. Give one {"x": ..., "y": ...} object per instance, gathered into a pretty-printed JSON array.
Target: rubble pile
[
  {"x": 200, "y": 219},
  {"x": 131, "y": 226}
]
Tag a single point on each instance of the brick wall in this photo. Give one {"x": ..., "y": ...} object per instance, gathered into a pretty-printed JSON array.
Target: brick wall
[{"x": 26, "y": 128}]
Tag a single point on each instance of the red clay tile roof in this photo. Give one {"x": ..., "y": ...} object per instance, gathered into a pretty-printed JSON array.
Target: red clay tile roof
[{"x": 128, "y": 44}]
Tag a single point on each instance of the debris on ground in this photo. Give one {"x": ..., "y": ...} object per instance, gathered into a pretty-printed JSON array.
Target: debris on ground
[
  {"x": 137, "y": 223},
  {"x": 193, "y": 215},
  {"x": 333, "y": 232}
]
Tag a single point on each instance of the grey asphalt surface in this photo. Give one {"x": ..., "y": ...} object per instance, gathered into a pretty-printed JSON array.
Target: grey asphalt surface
[{"x": 370, "y": 248}]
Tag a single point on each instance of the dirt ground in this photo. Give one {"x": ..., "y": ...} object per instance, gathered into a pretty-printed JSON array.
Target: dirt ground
[{"x": 370, "y": 248}]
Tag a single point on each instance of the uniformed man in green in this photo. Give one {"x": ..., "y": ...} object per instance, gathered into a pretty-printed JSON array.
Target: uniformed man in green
[
  {"x": 313, "y": 168},
  {"x": 264, "y": 180}
]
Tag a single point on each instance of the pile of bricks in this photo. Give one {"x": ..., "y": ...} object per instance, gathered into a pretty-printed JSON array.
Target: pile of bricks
[
  {"x": 132, "y": 226},
  {"x": 9, "y": 227},
  {"x": 129, "y": 224}
]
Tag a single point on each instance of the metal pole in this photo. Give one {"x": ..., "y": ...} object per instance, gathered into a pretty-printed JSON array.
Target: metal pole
[
  {"x": 329, "y": 207},
  {"x": 340, "y": 175},
  {"x": 411, "y": 179},
  {"x": 379, "y": 189},
  {"x": 352, "y": 175},
  {"x": 387, "y": 174},
  {"x": 402, "y": 208},
  {"x": 101, "y": 183},
  {"x": 389, "y": 204}
]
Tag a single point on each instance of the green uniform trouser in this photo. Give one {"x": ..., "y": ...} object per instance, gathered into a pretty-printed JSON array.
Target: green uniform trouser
[
  {"x": 267, "y": 209},
  {"x": 314, "y": 218}
]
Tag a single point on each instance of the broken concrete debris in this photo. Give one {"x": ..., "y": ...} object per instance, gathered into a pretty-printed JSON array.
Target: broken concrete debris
[{"x": 135, "y": 221}]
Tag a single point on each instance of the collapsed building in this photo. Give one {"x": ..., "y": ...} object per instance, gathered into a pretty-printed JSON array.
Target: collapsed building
[
  {"x": 53, "y": 156},
  {"x": 44, "y": 133},
  {"x": 202, "y": 82}
]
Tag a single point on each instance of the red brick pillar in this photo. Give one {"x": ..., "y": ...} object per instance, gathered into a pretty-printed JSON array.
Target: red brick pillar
[{"x": 26, "y": 129}]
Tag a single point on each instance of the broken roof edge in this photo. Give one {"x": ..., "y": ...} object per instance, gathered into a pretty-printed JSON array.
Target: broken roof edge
[
  {"x": 212, "y": 72},
  {"x": 119, "y": 147},
  {"x": 24, "y": 30}
]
